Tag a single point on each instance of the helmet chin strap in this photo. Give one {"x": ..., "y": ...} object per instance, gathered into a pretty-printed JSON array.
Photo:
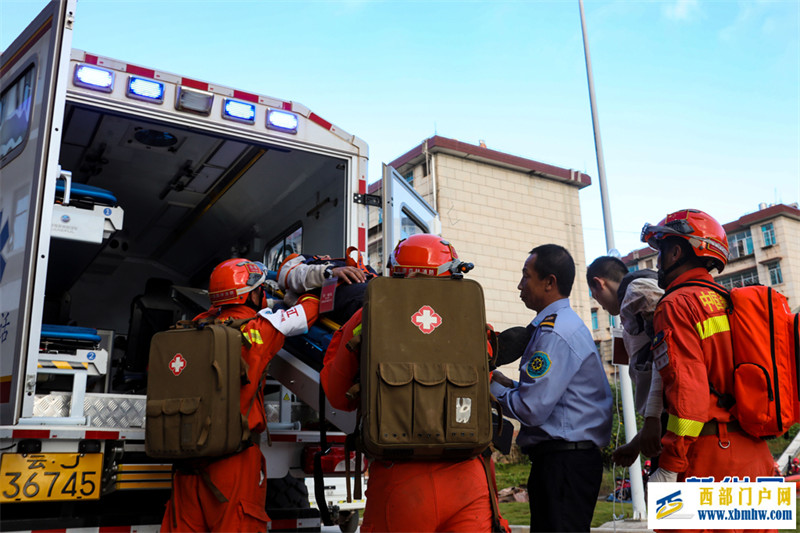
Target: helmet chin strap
[
  {"x": 662, "y": 273},
  {"x": 249, "y": 301}
]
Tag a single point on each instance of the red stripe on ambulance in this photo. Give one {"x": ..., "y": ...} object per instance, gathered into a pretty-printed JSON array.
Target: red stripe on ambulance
[
  {"x": 30, "y": 434},
  {"x": 321, "y": 121},
  {"x": 194, "y": 84},
  {"x": 140, "y": 71},
  {"x": 247, "y": 97}
]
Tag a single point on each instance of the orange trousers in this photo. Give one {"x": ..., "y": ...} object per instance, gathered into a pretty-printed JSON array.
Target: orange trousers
[
  {"x": 242, "y": 479},
  {"x": 746, "y": 456},
  {"x": 425, "y": 496}
]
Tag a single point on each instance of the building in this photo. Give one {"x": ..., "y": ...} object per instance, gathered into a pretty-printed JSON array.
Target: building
[
  {"x": 764, "y": 249},
  {"x": 495, "y": 207}
]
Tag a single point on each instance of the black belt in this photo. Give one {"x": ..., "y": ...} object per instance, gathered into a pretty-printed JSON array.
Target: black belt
[
  {"x": 550, "y": 446},
  {"x": 712, "y": 427}
]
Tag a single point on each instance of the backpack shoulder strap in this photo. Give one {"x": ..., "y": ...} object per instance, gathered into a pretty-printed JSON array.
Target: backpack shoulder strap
[{"x": 719, "y": 289}]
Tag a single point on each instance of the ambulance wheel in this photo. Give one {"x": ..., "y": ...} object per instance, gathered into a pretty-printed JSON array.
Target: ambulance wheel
[
  {"x": 288, "y": 492},
  {"x": 348, "y": 524}
]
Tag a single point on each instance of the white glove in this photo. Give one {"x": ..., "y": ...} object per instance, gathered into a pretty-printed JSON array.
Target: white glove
[{"x": 663, "y": 475}]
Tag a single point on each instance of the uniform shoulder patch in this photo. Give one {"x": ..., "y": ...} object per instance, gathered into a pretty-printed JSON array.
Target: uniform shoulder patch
[
  {"x": 660, "y": 351},
  {"x": 538, "y": 365},
  {"x": 548, "y": 322}
]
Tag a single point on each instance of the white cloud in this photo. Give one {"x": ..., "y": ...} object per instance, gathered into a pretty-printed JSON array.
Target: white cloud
[{"x": 681, "y": 9}]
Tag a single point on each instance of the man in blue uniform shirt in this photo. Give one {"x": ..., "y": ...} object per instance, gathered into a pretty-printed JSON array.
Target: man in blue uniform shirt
[{"x": 562, "y": 398}]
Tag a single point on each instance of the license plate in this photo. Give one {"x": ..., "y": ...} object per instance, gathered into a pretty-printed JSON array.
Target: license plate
[{"x": 50, "y": 476}]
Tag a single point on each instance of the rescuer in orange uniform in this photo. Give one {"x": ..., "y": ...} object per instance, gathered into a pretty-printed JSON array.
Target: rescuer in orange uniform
[
  {"x": 411, "y": 495},
  {"x": 693, "y": 352},
  {"x": 229, "y": 493}
]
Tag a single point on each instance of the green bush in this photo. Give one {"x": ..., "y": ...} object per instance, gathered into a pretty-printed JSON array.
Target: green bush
[{"x": 779, "y": 444}]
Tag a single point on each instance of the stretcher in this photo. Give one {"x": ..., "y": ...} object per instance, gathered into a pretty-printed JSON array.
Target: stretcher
[
  {"x": 72, "y": 348},
  {"x": 83, "y": 212},
  {"x": 75, "y": 352}
]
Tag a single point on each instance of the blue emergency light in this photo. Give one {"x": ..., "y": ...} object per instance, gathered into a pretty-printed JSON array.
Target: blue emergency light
[
  {"x": 282, "y": 121},
  {"x": 145, "y": 89},
  {"x": 239, "y": 111},
  {"x": 91, "y": 77}
]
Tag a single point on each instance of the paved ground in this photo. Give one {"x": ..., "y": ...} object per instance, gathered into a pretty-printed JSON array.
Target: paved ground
[{"x": 626, "y": 526}]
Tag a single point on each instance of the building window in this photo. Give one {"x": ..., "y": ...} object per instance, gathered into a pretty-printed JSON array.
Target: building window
[
  {"x": 648, "y": 263},
  {"x": 740, "y": 244},
  {"x": 740, "y": 279},
  {"x": 768, "y": 231},
  {"x": 611, "y": 321},
  {"x": 775, "y": 276},
  {"x": 409, "y": 177},
  {"x": 633, "y": 268},
  {"x": 595, "y": 324}
]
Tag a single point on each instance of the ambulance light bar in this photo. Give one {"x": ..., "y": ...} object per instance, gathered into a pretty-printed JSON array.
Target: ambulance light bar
[
  {"x": 239, "y": 111},
  {"x": 194, "y": 100},
  {"x": 186, "y": 99},
  {"x": 98, "y": 79},
  {"x": 282, "y": 121},
  {"x": 144, "y": 89}
]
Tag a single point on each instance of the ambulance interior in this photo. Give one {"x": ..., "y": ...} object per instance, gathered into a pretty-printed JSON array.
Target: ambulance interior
[{"x": 189, "y": 200}]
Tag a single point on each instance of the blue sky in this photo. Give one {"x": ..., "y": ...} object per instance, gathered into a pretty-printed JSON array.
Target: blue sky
[{"x": 699, "y": 101}]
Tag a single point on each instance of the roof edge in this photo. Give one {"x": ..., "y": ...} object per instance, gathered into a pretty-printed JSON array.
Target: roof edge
[{"x": 478, "y": 153}]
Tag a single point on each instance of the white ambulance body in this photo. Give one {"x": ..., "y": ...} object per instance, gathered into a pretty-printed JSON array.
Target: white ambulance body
[{"x": 121, "y": 188}]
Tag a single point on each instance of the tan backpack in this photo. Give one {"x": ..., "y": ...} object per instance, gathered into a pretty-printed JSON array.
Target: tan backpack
[
  {"x": 193, "y": 391},
  {"x": 424, "y": 369}
]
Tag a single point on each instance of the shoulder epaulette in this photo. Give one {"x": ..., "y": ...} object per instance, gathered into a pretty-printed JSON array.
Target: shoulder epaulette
[{"x": 549, "y": 321}]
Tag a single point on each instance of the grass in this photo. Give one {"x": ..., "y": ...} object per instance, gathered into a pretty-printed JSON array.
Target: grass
[{"x": 518, "y": 513}]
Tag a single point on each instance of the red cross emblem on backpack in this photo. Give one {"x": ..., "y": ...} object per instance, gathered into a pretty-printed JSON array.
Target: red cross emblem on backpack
[
  {"x": 426, "y": 319},
  {"x": 177, "y": 364}
]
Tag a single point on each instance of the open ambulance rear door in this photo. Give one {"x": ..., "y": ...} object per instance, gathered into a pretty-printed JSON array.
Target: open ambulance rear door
[
  {"x": 33, "y": 79},
  {"x": 405, "y": 213}
]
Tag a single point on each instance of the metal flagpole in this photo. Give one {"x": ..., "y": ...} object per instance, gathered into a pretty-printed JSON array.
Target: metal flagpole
[{"x": 628, "y": 413}]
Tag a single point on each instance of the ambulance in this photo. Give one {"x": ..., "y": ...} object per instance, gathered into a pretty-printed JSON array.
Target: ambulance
[{"x": 121, "y": 187}]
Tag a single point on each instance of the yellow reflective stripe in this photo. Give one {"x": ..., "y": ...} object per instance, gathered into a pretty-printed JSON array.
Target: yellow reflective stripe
[
  {"x": 713, "y": 325},
  {"x": 684, "y": 427},
  {"x": 63, "y": 365},
  {"x": 254, "y": 336},
  {"x": 357, "y": 330}
]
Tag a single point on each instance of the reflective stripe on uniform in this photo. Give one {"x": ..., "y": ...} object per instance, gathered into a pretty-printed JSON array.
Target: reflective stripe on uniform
[
  {"x": 254, "y": 336},
  {"x": 684, "y": 427},
  {"x": 713, "y": 325},
  {"x": 306, "y": 298},
  {"x": 357, "y": 330}
]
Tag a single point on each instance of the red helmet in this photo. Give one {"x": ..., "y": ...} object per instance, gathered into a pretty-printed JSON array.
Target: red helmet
[
  {"x": 704, "y": 233},
  {"x": 426, "y": 254},
  {"x": 232, "y": 280}
]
